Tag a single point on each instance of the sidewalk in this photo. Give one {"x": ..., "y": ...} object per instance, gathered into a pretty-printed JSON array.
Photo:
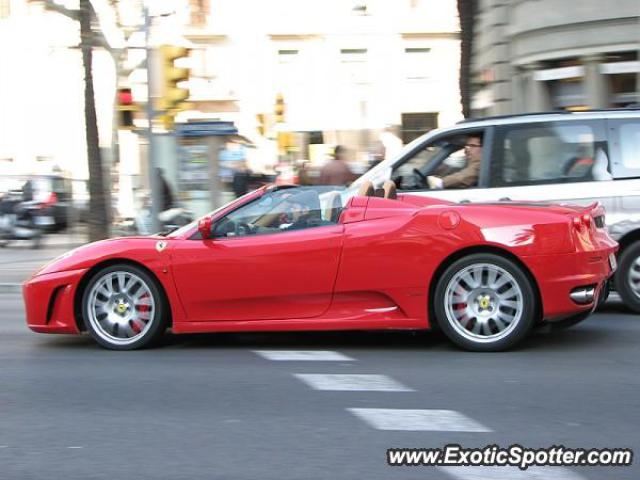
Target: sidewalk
[{"x": 18, "y": 260}]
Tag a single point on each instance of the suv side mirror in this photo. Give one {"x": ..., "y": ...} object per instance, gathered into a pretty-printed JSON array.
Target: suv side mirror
[{"x": 204, "y": 227}]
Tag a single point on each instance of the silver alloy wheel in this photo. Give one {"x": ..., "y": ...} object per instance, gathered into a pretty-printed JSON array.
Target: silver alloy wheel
[
  {"x": 483, "y": 302},
  {"x": 634, "y": 276},
  {"x": 120, "y": 307}
]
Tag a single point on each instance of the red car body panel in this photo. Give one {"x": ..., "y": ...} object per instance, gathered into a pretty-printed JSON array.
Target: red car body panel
[
  {"x": 372, "y": 270},
  {"x": 285, "y": 275}
]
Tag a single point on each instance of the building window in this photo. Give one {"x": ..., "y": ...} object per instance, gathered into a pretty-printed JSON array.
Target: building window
[
  {"x": 355, "y": 53},
  {"x": 624, "y": 89},
  {"x": 567, "y": 94},
  {"x": 287, "y": 56},
  {"x": 416, "y": 124},
  {"x": 354, "y": 65},
  {"x": 289, "y": 71},
  {"x": 417, "y": 63}
]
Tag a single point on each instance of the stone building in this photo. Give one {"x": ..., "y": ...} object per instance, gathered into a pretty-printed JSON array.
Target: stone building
[{"x": 538, "y": 55}]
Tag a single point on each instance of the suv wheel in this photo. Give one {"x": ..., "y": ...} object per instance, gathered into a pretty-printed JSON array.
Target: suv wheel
[{"x": 627, "y": 277}]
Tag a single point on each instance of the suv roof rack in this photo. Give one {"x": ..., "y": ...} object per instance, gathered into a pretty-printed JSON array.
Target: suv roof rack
[{"x": 635, "y": 106}]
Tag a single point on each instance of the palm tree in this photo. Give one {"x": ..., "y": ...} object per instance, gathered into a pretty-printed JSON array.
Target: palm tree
[
  {"x": 91, "y": 37},
  {"x": 98, "y": 211},
  {"x": 467, "y": 11}
]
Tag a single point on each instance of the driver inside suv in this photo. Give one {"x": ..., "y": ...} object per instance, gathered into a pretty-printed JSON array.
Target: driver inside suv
[{"x": 467, "y": 176}]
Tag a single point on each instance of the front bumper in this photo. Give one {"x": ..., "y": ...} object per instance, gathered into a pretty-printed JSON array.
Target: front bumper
[
  {"x": 559, "y": 276},
  {"x": 49, "y": 301}
]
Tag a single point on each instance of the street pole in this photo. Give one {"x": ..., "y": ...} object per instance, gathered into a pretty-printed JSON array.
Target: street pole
[{"x": 154, "y": 177}]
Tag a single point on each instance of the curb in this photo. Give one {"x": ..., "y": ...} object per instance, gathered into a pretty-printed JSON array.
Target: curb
[{"x": 10, "y": 288}]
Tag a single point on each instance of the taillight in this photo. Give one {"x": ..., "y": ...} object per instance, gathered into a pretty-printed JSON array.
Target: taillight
[
  {"x": 577, "y": 223},
  {"x": 583, "y": 221}
]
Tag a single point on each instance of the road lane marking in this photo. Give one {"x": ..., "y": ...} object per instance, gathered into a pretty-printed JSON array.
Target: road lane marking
[
  {"x": 303, "y": 355},
  {"x": 353, "y": 383},
  {"x": 418, "y": 420},
  {"x": 510, "y": 473}
]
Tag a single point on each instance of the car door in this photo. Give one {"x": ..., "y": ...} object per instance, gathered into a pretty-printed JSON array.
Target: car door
[
  {"x": 624, "y": 140},
  {"x": 566, "y": 160},
  {"x": 264, "y": 274}
]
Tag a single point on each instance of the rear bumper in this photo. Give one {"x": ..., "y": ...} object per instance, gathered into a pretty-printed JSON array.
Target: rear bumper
[
  {"x": 49, "y": 301},
  {"x": 559, "y": 276}
]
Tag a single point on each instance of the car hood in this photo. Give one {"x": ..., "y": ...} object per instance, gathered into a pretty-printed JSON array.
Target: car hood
[{"x": 150, "y": 251}]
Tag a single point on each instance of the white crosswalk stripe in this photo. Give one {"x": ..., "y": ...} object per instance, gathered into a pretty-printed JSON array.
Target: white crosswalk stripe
[
  {"x": 354, "y": 383},
  {"x": 510, "y": 473},
  {"x": 418, "y": 420},
  {"x": 303, "y": 355}
]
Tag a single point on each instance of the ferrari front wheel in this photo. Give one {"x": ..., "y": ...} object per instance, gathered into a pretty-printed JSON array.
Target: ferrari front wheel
[
  {"x": 484, "y": 302},
  {"x": 123, "y": 308}
]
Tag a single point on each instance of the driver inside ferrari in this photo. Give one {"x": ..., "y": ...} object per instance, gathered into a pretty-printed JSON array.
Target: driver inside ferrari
[
  {"x": 298, "y": 211},
  {"x": 466, "y": 177}
]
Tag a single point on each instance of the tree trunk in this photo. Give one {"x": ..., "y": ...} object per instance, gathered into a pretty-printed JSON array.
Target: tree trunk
[
  {"x": 98, "y": 212},
  {"x": 467, "y": 12}
]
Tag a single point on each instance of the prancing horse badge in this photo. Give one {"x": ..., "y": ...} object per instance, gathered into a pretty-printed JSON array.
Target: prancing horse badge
[{"x": 161, "y": 245}]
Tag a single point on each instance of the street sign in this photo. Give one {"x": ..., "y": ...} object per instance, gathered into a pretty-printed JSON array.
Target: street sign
[{"x": 205, "y": 129}]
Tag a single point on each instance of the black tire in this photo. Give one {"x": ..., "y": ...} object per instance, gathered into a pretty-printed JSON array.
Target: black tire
[
  {"x": 523, "y": 316},
  {"x": 154, "y": 327},
  {"x": 625, "y": 264}
]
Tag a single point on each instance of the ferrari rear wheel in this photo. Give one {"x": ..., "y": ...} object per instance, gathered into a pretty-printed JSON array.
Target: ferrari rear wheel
[
  {"x": 123, "y": 308},
  {"x": 484, "y": 302}
]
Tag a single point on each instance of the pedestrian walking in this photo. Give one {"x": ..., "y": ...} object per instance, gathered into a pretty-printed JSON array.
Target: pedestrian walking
[{"x": 337, "y": 171}]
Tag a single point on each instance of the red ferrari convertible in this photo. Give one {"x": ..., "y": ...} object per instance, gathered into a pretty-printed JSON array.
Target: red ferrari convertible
[{"x": 313, "y": 258}]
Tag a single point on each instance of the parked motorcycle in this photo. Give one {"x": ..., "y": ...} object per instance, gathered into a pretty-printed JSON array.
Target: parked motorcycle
[{"x": 21, "y": 220}]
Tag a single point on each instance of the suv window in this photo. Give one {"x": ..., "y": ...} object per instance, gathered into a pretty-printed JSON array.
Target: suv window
[
  {"x": 629, "y": 137},
  {"x": 443, "y": 157},
  {"x": 549, "y": 153}
]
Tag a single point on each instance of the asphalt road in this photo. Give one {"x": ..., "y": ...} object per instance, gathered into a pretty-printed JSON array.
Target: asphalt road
[{"x": 220, "y": 406}]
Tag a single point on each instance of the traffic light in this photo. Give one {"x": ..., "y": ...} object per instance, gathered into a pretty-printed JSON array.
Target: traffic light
[
  {"x": 261, "y": 123},
  {"x": 172, "y": 97},
  {"x": 280, "y": 108},
  {"x": 126, "y": 108}
]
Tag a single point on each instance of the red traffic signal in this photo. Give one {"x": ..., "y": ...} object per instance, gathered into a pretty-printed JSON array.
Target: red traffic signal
[
  {"x": 125, "y": 97},
  {"x": 126, "y": 108}
]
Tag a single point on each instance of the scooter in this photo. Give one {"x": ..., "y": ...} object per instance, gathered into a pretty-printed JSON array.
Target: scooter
[{"x": 20, "y": 221}]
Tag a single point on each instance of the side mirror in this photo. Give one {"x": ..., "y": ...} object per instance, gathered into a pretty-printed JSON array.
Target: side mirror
[{"x": 204, "y": 227}]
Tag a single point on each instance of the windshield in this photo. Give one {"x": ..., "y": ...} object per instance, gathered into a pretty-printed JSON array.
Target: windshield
[
  {"x": 274, "y": 199},
  {"x": 190, "y": 226}
]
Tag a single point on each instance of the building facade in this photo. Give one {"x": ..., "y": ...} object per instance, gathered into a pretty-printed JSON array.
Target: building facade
[
  {"x": 539, "y": 55},
  {"x": 345, "y": 70},
  {"x": 348, "y": 72}
]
